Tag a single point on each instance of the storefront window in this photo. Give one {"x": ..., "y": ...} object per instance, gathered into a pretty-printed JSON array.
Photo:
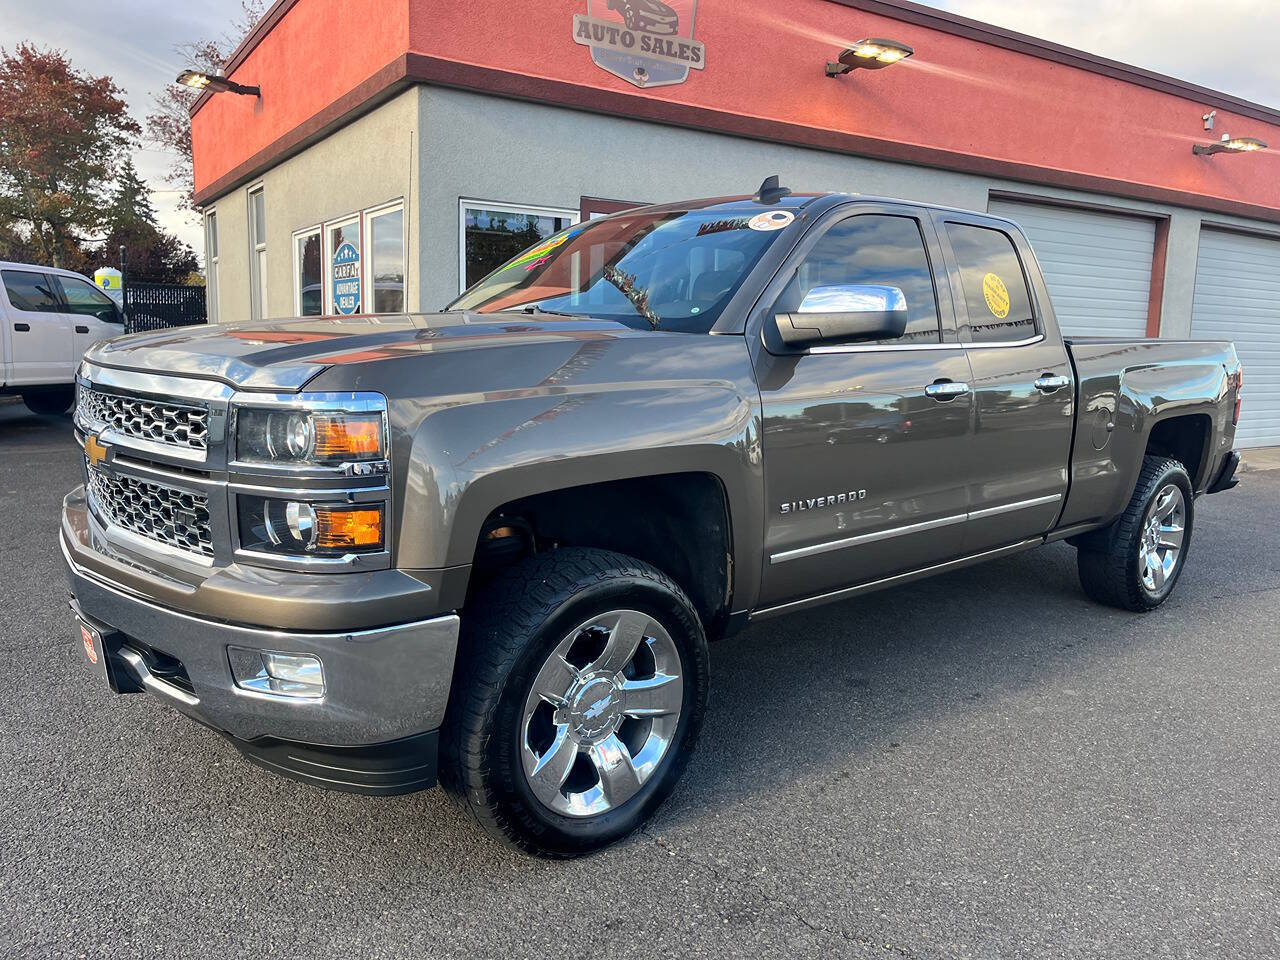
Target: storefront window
[
  {"x": 492, "y": 234},
  {"x": 211, "y": 250},
  {"x": 386, "y": 251},
  {"x": 308, "y": 283},
  {"x": 343, "y": 249},
  {"x": 258, "y": 253}
]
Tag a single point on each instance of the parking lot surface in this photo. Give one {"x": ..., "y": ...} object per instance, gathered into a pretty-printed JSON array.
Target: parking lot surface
[{"x": 981, "y": 765}]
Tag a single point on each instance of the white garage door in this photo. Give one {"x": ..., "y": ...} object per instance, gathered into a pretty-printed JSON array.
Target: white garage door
[
  {"x": 1238, "y": 298},
  {"x": 1097, "y": 265}
]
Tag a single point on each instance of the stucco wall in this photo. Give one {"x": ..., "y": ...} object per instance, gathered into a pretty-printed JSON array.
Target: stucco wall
[
  {"x": 553, "y": 156},
  {"x": 369, "y": 162},
  {"x": 486, "y": 148}
]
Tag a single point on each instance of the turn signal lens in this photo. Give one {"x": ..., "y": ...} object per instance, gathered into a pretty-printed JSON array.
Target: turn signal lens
[
  {"x": 348, "y": 529},
  {"x": 348, "y": 437}
]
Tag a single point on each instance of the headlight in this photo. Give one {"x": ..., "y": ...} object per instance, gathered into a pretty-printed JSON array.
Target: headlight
[
  {"x": 311, "y": 436},
  {"x": 309, "y": 529}
]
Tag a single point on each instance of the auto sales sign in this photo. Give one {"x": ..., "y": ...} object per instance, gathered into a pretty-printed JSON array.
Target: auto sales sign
[{"x": 646, "y": 42}]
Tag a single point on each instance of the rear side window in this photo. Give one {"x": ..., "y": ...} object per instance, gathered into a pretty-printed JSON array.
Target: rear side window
[
  {"x": 31, "y": 292},
  {"x": 995, "y": 288},
  {"x": 874, "y": 249},
  {"x": 84, "y": 298}
]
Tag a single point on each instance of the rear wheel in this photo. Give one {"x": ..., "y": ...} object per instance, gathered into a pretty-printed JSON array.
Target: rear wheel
[
  {"x": 1135, "y": 563},
  {"x": 51, "y": 402},
  {"x": 579, "y": 694}
]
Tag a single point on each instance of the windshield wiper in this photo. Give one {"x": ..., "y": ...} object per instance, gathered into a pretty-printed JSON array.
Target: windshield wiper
[{"x": 535, "y": 310}]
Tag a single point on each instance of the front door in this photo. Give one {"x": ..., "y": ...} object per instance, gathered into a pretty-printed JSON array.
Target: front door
[
  {"x": 1023, "y": 383},
  {"x": 858, "y": 437},
  {"x": 39, "y": 335}
]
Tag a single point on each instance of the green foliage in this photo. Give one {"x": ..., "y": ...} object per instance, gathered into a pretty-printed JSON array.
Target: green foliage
[{"x": 60, "y": 132}]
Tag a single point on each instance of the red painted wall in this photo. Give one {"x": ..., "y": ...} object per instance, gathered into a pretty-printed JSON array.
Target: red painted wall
[
  {"x": 764, "y": 59},
  {"x": 319, "y": 51}
]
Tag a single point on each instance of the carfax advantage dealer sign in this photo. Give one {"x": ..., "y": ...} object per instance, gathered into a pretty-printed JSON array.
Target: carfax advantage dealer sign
[{"x": 646, "y": 42}]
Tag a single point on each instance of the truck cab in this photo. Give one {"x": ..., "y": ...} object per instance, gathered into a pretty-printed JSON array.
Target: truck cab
[{"x": 48, "y": 318}]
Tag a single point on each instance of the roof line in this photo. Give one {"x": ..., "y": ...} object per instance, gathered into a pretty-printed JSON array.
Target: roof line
[
  {"x": 414, "y": 68},
  {"x": 947, "y": 22},
  {"x": 920, "y": 15}
]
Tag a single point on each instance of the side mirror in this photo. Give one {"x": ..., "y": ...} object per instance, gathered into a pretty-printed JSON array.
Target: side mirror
[{"x": 845, "y": 313}]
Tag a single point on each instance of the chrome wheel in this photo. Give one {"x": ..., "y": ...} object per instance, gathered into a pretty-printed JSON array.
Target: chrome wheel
[
  {"x": 602, "y": 713},
  {"x": 1163, "y": 532}
]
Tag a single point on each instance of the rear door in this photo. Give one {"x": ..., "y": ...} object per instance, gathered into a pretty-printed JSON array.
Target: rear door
[
  {"x": 1015, "y": 468},
  {"x": 857, "y": 446},
  {"x": 40, "y": 335},
  {"x": 92, "y": 315}
]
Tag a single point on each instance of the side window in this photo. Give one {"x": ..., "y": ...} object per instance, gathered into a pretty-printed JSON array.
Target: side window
[
  {"x": 874, "y": 249},
  {"x": 84, "y": 299},
  {"x": 995, "y": 288},
  {"x": 32, "y": 292}
]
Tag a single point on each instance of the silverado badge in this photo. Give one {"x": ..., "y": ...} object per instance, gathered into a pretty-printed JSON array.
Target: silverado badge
[{"x": 830, "y": 500}]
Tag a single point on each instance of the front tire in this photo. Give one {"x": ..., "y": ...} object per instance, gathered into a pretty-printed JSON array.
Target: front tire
[
  {"x": 1135, "y": 563},
  {"x": 581, "y": 686},
  {"x": 52, "y": 402}
]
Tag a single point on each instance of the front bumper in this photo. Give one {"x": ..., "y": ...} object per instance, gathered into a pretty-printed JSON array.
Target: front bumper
[{"x": 373, "y": 730}]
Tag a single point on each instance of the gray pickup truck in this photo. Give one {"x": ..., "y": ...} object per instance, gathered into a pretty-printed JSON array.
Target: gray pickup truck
[{"x": 490, "y": 545}]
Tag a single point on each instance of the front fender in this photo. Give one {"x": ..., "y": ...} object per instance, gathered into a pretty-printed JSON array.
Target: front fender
[{"x": 472, "y": 453}]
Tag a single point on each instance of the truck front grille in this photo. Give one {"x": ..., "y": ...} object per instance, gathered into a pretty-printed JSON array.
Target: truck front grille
[
  {"x": 165, "y": 514},
  {"x": 160, "y": 421}
]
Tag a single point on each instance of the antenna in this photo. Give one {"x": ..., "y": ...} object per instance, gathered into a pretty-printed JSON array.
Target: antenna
[{"x": 771, "y": 191}]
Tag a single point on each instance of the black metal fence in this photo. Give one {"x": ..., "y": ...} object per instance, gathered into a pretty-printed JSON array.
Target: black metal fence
[{"x": 154, "y": 306}]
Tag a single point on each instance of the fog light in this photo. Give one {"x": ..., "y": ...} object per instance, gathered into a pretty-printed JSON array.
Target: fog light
[{"x": 281, "y": 674}]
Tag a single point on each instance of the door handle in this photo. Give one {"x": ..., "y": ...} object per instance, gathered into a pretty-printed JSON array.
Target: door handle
[
  {"x": 22, "y": 327},
  {"x": 1049, "y": 383},
  {"x": 81, "y": 329},
  {"x": 945, "y": 391}
]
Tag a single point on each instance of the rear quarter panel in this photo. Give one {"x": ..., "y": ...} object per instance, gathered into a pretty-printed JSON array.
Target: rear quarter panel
[{"x": 1132, "y": 385}]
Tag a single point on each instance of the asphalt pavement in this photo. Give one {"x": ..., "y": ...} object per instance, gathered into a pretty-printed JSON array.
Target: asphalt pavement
[{"x": 982, "y": 765}]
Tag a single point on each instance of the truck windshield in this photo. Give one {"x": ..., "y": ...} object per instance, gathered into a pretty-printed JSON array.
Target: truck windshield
[{"x": 671, "y": 270}]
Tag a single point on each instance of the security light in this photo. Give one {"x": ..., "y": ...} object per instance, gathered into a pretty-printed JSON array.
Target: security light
[
  {"x": 197, "y": 80},
  {"x": 1229, "y": 144},
  {"x": 873, "y": 53}
]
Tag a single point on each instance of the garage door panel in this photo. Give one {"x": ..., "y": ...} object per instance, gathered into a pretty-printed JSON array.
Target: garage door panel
[
  {"x": 1237, "y": 298},
  {"x": 1097, "y": 266}
]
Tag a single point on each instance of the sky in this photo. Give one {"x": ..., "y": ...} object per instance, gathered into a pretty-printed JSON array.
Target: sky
[{"x": 1231, "y": 50}]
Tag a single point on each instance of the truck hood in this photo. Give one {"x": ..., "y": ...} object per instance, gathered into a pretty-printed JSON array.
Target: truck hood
[{"x": 284, "y": 355}]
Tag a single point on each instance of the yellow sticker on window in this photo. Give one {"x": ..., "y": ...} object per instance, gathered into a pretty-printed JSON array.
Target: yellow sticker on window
[{"x": 996, "y": 294}]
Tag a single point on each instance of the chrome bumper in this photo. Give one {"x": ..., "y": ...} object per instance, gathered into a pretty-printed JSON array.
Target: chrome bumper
[{"x": 381, "y": 684}]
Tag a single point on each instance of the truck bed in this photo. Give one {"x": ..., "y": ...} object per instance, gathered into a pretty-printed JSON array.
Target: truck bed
[{"x": 1122, "y": 387}]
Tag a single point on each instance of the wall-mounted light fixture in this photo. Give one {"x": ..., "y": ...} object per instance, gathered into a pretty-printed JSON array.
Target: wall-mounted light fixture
[
  {"x": 1229, "y": 144},
  {"x": 871, "y": 54},
  {"x": 211, "y": 81}
]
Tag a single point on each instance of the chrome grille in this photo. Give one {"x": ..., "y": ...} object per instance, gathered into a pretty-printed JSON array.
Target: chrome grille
[
  {"x": 165, "y": 514},
  {"x": 160, "y": 421}
]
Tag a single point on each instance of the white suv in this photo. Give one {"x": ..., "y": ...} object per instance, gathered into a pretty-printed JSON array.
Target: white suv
[{"x": 48, "y": 319}]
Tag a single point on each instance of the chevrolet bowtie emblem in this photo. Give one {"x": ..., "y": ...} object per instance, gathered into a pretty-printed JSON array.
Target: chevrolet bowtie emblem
[{"x": 95, "y": 451}]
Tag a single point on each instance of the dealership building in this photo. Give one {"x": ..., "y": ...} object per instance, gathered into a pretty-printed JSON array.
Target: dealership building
[{"x": 399, "y": 150}]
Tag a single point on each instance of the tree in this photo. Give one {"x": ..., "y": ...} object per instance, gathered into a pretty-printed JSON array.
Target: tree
[
  {"x": 130, "y": 222},
  {"x": 169, "y": 126},
  {"x": 60, "y": 130},
  {"x": 130, "y": 204}
]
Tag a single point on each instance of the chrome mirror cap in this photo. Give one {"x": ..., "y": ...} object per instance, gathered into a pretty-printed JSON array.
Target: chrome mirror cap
[{"x": 853, "y": 298}]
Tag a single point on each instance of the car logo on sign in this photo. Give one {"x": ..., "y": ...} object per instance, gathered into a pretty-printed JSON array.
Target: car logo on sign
[
  {"x": 95, "y": 452},
  {"x": 646, "y": 42}
]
